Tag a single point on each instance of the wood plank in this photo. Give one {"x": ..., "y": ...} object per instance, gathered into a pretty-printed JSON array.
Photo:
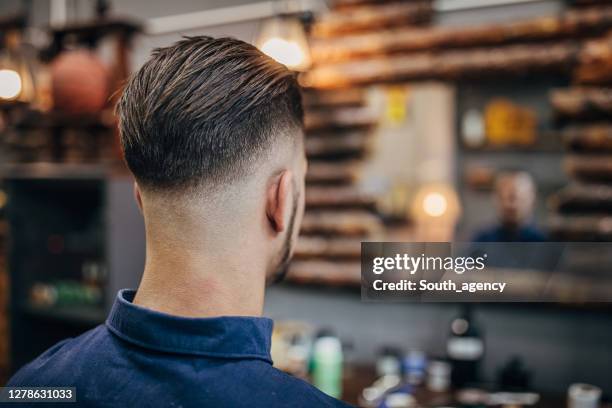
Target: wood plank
[
  {"x": 325, "y": 272},
  {"x": 595, "y": 62},
  {"x": 582, "y": 102},
  {"x": 588, "y": 167},
  {"x": 448, "y": 65},
  {"x": 338, "y": 197},
  {"x": 325, "y": 99},
  {"x": 581, "y": 228},
  {"x": 322, "y": 247},
  {"x": 347, "y": 4},
  {"x": 353, "y": 144},
  {"x": 339, "y": 172},
  {"x": 371, "y": 17},
  {"x": 340, "y": 118},
  {"x": 581, "y": 198},
  {"x": 348, "y": 223},
  {"x": 571, "y": 24},
  {"x": 595, "y": 138}
]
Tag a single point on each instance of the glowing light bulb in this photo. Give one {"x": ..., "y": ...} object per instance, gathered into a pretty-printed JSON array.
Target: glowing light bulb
[
  {"x": 286, "y": 52},
  {"x": 10, "y": 84},
  {"x": 434, "y": 204}
]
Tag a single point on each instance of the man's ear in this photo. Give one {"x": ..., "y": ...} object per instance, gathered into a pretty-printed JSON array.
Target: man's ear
[
  {"x": 137, "y": 196},
  {"x": 277, "y": 198}
]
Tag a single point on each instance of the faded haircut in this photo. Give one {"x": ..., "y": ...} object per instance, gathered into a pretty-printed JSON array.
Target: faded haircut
[{"x": 205, "y": 111}]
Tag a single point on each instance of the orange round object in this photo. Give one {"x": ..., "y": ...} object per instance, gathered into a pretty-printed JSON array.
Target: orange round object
[{"x": 79, "y": 82}]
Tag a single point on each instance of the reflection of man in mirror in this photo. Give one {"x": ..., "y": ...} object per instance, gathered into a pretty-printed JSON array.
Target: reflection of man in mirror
[{"x": 515, "y": 195}]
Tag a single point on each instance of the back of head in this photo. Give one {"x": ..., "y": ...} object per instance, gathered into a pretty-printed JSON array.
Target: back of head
[{"x": 205, "y": 111}]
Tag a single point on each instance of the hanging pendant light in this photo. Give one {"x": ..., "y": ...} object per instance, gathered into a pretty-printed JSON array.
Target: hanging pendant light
[
  {"x": 435, "y": 211},
  {"x": 284, "y": 39},
  {"x": 10, "y": 84},
  {"x": 16, "y": 77}
]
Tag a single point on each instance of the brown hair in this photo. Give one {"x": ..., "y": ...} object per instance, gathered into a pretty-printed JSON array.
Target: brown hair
[{"x": 205, "y": 110}]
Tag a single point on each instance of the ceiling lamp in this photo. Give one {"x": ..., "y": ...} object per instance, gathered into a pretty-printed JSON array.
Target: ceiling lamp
[
  {"x": 16, "y": 78},
  {"x": 10, "y": 84},
  {"x": 435, "y": 211},
  {"x": 284, "y": 39}
]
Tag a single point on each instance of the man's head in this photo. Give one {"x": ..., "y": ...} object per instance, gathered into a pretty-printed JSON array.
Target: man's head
[
  {"x": 212, "y": 130},
  {"x": 516, "y": 193}
]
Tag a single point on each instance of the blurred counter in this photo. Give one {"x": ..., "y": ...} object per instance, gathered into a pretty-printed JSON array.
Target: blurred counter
[{"x": 359, "y": 377}]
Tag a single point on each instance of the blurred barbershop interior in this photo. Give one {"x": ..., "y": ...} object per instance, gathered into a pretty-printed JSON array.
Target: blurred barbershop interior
[{"x": 476, "y": 121}]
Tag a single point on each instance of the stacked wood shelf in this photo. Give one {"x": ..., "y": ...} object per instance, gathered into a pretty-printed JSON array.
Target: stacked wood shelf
[
  {"x": 359, "y": 43},
  {"x": 368, "y": 52},
  {"x": 582, "y": 211},
  {"x": 338, "y": 215},
  {"x": 339, "y": 127}
]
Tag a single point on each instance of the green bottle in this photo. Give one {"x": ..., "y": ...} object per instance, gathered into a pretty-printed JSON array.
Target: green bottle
[{"x": 327, "y": 365}]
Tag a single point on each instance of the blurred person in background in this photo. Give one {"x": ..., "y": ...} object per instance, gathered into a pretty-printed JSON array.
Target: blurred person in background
[
  {"x": 212, "y": 131},
  {"x": 515, "y": 195}
]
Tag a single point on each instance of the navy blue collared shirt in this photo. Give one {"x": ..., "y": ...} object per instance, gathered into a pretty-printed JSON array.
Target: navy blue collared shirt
[
  {"x": 143, "y": 358},
  {"x": 497, "y": 233}
]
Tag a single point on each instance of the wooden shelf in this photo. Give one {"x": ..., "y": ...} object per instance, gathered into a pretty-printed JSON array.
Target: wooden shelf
[
  {"x": 78, "y": 314},
  {"x": 514, "y": 149},
  {"x": 48, "y": 170},
  {"x": 34, "y": 119}
]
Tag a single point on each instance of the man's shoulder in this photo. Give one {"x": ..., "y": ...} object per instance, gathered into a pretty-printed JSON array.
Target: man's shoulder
[
  {"x": 52, "y": 365},
  {"x": 302, "y": 392},
  {"x": 85, "y": 361},
  {"x": 487, "y": 234},
  {"x": 531, "y": 233}
]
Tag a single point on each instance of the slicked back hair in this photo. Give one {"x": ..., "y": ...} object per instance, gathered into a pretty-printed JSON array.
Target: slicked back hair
[{"x": 205, "y": 111}]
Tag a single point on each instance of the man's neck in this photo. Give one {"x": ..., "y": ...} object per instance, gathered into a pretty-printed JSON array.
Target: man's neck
[
  {"x": 190, "y": 284},
  {"x": 204, "y": 258}
]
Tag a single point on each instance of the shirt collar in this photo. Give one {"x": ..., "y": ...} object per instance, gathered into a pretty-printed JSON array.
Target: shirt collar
[{"x": 223, "y": 337}]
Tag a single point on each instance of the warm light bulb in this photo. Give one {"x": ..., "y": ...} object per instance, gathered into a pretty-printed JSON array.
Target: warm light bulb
[
  {"x": 286, "y": 52},
  {"x": 434, "y": 204},
  {"x": 10, "y": 84}
]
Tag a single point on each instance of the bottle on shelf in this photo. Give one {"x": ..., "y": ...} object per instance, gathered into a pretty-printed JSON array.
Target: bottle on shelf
[
  {"x": 414, "y": 365},
  {"x": 465, "y": 348},
  {"x": 327, "y": 361},
  {"x": 583, "y": 396},
  {"x": 438, "y": 376}
]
